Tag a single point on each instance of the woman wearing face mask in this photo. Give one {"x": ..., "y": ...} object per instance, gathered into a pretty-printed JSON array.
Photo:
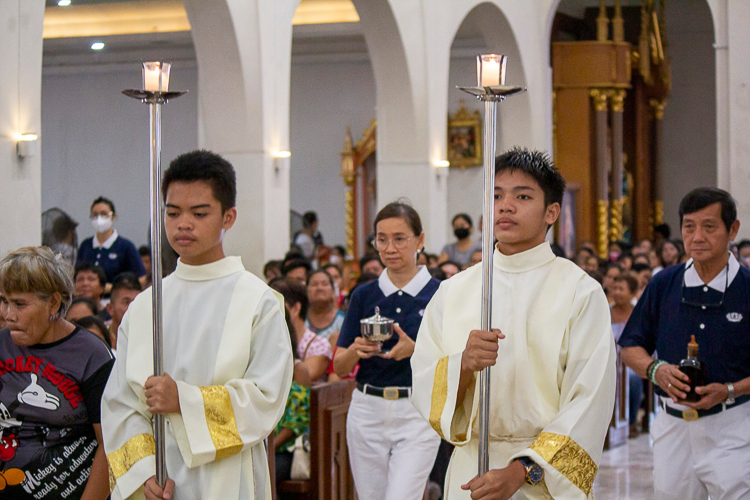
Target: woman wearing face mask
[
  {"x": 106, "y": 248},
  {"x": 460, "y": 251},
  {"x": 391, "y": 449}
]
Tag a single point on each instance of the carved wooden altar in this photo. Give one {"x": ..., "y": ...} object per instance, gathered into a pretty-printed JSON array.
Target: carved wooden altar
[
  {"x": 358, "y": 172},
  {"x": 609, "y": 97}
]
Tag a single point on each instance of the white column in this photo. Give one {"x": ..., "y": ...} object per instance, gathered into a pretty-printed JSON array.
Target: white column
[
  {"x": 244, "y": 60},
  {"x": 738, "y": 20},
  {"x": 20, "y": 112}
]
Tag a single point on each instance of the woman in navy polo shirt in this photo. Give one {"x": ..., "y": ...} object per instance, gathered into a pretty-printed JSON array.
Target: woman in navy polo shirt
[
  {"x": 107, "y": 249},
  {"x": 391, "y": 448}
]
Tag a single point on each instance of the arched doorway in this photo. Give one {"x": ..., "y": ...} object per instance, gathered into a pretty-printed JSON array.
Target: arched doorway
[{"x": 484, "y": 29}]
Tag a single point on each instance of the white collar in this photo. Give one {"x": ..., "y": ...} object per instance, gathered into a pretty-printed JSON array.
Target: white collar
[
  {"x": 414, "y": 286},
  {"x": 215, "y": 270},
  {"x": 108, "y": 242},
  {"x": 693, "y": 279}
]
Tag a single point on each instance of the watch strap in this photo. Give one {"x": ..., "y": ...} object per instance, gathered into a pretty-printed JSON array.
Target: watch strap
[
  {"x": 730, "y": 393},
  {"x": 530, "y": 466}
]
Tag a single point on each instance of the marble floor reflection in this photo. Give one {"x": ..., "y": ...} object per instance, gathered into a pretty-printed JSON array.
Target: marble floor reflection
[{"x": 626, "y": 472}]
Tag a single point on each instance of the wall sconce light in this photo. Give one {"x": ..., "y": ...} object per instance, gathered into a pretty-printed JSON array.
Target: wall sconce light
[
  {"x": 442, "y": 163},
  {"x": 27, "y": 145},
  {"x": 277, "y": 156}
]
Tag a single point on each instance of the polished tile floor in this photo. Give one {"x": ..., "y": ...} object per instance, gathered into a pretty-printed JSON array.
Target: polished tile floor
[{"x": 626, "y": 472}]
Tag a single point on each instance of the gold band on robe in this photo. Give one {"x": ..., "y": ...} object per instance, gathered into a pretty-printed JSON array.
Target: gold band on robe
[
  {"x": 221, "y": 422},
  {"x": 439, "y": 395},
  {"x": 568, "y": 458},
  {"x": 135, "y": 449}
]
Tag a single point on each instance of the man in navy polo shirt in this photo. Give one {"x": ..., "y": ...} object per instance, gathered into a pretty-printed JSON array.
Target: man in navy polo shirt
[
  {"x": 701, "y": 449},
  {"x": 107, "y": 249}
]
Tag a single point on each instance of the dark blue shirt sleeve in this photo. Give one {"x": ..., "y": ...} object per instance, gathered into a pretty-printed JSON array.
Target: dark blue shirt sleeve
[
  {"x": 641, "y": 328},
  {"x": 350, "y": 330},
  {"x": 133, "y": 261}
]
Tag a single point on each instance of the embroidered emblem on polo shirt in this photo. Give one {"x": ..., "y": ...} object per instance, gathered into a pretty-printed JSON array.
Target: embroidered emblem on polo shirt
[
  {"x": 113, "y": 256},
  {"x": 734, "y": 317}
]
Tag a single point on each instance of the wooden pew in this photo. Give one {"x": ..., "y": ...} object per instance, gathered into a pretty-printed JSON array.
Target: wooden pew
[
  {"x": 619, "y": 427},
  {"x": 330, "y": 474}
]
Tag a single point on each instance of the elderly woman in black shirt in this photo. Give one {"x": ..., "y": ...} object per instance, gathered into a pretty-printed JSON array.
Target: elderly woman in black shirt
[{"x": 52, "y": 375}]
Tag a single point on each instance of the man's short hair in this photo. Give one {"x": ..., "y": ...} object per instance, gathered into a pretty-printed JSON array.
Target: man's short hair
[
  {"x": 208, "y": 167},
  {"x": 700, "y": 198},
  {"x": 126, "y": 281},
  {"x": 664, "y": 230},
  {"x": 90, "y": 266},
  {"x": 106, "y": 201},
  {"x": 291, "y": 264},
  {"x": 294, "y": 293},
  {"x": 93, "y": 307},
  {"x": 742, "y": 244},
  {"x": 538, "y": 165},
  {"x": 309, "y": 218},
  {"x": 369, "y": 257},
  {"x": 640, "y": 267},
  {"x": 144, "y": 251}
]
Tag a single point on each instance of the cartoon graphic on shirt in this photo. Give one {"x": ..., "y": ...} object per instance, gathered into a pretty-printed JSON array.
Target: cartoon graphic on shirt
[
  {"x": 11, "y": 477},
  {"x": 35, "y": 395},
  {"x": 5, "y": 419},
  {"x": 8, "y": 445}
]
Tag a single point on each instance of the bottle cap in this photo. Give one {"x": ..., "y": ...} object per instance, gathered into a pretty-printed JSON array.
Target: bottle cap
[{"x": 692, "y": 346}]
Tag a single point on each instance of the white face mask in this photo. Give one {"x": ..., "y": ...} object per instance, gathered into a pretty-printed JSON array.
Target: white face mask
[{"x": 101, "y": 224}]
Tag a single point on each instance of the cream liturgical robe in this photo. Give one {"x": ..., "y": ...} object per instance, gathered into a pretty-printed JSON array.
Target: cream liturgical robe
[
  {"x": 227, "y": 346},
  {"x": 553, "y": 387}
]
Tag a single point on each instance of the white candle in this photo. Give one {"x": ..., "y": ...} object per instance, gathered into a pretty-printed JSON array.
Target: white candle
[
  {"x": 490, "y": 72},
  {"x": 156, "y": 76}
]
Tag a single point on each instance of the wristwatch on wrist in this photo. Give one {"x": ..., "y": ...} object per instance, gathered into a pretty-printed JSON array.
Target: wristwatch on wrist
[
  {"x": 730, "y": 396},
  {"x": 534, "y": 472}
]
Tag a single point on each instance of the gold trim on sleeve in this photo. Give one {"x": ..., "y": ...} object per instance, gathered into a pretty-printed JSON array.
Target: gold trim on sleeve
[
  {"x": 568, "y": 458},
  {"x": 439, "y": 395},
  {"x": 137, "y": 448},
  {"x": 221, "y": 422}
]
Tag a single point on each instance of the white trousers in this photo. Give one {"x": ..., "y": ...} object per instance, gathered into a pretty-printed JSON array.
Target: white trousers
[
  {"x": 709, "y": 457},
  {"x": 391, "y": 448}
]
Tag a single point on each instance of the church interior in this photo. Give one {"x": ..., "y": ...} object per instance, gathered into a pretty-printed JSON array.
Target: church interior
[{"x": 342, "y": 106}]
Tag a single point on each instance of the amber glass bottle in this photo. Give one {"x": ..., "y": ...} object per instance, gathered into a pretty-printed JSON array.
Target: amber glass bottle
[{"x": 693, "y": 368}]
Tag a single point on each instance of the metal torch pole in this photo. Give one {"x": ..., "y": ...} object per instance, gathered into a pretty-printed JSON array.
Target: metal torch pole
[
  {"x": 154, "y": 109},
  {"x": 488, "y": 238}
]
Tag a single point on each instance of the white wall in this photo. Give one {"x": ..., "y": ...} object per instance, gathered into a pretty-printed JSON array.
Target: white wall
[
  {"x": 690, "y": 115},
  {"x": 96, "y": 143},
  {"x": 325, "y": 98}
]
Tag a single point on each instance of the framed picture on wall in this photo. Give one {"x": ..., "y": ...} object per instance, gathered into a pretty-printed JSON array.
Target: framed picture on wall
[{"x": 464, "y": 138}]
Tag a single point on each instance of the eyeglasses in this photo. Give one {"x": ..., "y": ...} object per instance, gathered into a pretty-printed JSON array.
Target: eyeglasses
[
  {"x": 399, "y": 243},
  {"x": 702, "y": 304}
]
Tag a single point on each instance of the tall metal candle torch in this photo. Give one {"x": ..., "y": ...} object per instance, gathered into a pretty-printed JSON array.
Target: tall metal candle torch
[
  {"x": 491, "y": 89},
  {"x": 155, "y": 93}
]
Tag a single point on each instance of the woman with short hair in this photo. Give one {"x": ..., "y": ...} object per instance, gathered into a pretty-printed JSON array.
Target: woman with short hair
[
  {"x": 107, "y": 249},
  {"x": 52, "y": 375},
  {"x": 391, "y": 448}
]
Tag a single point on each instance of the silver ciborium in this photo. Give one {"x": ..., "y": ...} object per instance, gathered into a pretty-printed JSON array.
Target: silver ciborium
[{"x": 377, "y": 328}]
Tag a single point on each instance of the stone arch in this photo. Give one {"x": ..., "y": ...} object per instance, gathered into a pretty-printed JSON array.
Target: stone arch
[
  {"x": 243, "y": 50},
  {"x": 515, "y": 117},
  {"x": 396, "y": 96},
  {"x": 515, "y": 114}
]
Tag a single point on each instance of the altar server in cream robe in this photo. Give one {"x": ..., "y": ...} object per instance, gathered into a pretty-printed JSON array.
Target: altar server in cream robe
[
  {"x": 551, "y": 354},
  {"x": 227, "y": 357}
]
